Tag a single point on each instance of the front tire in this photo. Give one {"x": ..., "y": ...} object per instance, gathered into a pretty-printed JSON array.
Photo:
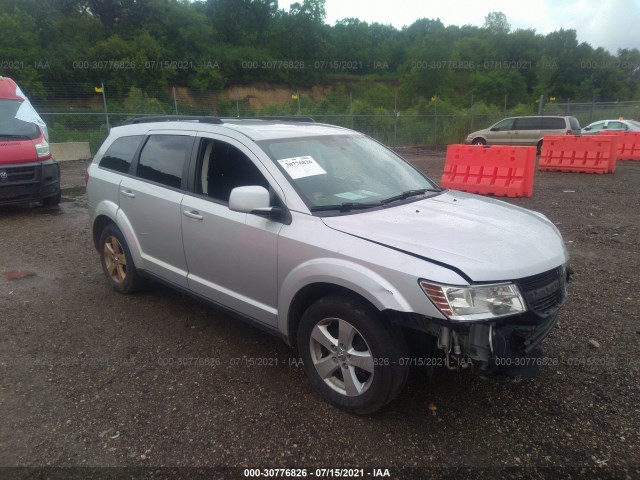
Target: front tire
[
  {"x": 478, "y": 141},
  {"x": 52, "y": 201},
  {"x": 351, "y": 355},
  {"x": 117, "y": 263}
]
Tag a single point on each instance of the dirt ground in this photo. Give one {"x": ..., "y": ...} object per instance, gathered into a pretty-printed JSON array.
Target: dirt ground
[{"x": 151, "y": 383}]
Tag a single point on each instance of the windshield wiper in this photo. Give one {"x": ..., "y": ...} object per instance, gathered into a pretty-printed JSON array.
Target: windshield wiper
[
  {"x": 344, "y": 207},
  {"x": 409, "y": 193},
  {"x": 8, "y": 135}
]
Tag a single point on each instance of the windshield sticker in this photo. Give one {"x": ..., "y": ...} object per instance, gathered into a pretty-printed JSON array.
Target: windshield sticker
[
  {"x": 356, "y": 195},
  {"x": 300, "y": 167}
]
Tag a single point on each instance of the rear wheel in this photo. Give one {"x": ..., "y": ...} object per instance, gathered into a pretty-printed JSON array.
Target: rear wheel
[
  {"x": 117, "y": 263},
  {"x": 539, "y": 147},
  {"x": 351, "y": 355},
  {"x": 478, "y": 141}
]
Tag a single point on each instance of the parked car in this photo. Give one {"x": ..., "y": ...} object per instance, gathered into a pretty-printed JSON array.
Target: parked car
[
  {"x": 528, "y": 130},
  {"x": 611, "y": 125},
  {"x": 28, "y": 173},
  {"x": 328, "y": 239}
]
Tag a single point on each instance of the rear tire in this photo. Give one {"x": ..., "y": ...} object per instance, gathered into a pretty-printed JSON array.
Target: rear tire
[
  {"x": 351, "y": 355},
  {"x": 539, "y": 148},
  {"x": 117, "y": 263}
]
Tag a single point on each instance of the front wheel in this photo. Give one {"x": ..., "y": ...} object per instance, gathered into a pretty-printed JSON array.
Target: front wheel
[
  {"x": 351, "y": 355},
  {"x": 52, "y": 201},
  {"x": 478, "y": 141},
  {"x": 117, "y": 263}
]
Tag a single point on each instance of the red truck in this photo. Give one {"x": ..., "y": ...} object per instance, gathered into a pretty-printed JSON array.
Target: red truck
[{"x": 28, "y": 173}]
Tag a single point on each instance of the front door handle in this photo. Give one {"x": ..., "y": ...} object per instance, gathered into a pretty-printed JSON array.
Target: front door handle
[
  {"x": 128, "y": 193},
  {"x": 193, "y": 214}
]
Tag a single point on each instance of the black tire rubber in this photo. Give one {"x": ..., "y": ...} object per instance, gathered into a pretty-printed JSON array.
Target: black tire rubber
[
  {"x": 539, "y": 148},
  {"x": 386, "y": 345},
  {"x": 132, "y": 281},
  {"x": 52, "y": 201},
  {"x": 478, "y": 141}
]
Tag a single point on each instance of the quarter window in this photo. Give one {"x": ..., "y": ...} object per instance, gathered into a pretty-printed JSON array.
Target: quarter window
[
  {"x": 553, "y": 123},
  {"x": 163, "y": 158},
  {"x": 120, "y": 154}
]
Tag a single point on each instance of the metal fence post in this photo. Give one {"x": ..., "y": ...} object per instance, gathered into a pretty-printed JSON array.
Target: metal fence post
[{"x": 106, "y": 112}]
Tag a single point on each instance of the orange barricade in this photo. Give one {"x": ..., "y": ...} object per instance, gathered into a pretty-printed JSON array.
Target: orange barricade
[
  {"x": 628, "y": 144},
  {"x": 585, "y": 154},
  {"x": 495, "y": 170}
]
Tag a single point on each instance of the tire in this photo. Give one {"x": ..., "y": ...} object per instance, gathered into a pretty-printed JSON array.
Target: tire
[
  {"x": 478, "y": 141},
  {"x": 52, "y": 201},
  {"x": 336, "y": 330},
  {"x": 117, "y": 263},
  {"x": 539, "y": 148}
]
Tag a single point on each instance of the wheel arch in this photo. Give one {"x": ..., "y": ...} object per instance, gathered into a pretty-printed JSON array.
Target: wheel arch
[
  {"x": 309, "y": 294},
  {"x": 315, "y": 280},
  {"x": 108, "y": 213}
]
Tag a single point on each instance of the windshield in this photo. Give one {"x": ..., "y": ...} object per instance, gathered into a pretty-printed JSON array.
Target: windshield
[
  {"x": 345, "y": 171},
  {"x": 11, "y": 127}
]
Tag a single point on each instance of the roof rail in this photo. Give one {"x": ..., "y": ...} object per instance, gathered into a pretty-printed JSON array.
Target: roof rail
[
  {"x": 283, "y": 118},
  {"x": 173, "y": 118}
]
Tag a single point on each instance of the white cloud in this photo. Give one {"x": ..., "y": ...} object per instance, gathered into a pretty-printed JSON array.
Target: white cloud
[{"x": 611, "y": 24}]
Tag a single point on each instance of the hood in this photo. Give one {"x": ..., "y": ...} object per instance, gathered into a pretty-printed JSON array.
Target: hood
[
  {"x": 17, "y": 151},
  {"x": 487, "y": 239}
]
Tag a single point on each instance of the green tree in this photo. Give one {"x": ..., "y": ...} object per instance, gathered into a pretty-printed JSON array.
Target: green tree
[{"x": 496, "y": 22}]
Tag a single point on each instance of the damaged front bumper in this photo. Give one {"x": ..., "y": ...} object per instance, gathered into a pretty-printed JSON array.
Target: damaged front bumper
[
  {"x": 507, "y": 347},
  {"x": 508, "y": 350}
]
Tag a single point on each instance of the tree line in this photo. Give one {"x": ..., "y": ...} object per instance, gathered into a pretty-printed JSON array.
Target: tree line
[{"x": 210, "y": 45}]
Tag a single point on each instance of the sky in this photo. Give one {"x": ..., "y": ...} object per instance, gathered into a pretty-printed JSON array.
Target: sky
[{"x": 611, "y": 24}]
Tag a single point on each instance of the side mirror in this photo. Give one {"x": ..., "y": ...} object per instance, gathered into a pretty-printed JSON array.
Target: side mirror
[
  {"x": 255, "y": 200},
  {"x": 495, "y": 129},
  {"x": 247, "y": 199},
  {"x": 587, "y": 128}
]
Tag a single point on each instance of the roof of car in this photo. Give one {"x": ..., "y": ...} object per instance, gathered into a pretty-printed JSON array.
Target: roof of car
[{"x": 255, "y": 128}]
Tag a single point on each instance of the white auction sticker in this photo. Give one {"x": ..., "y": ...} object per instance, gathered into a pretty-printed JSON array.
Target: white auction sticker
[{"x": 300, "y": 167}]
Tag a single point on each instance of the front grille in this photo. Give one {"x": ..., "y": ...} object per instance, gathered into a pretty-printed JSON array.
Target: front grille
[
  {"x": 544, "y": 292},
  {"x": 20, "y": 174}
]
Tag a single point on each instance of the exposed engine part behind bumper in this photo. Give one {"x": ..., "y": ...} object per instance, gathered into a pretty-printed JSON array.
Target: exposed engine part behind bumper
[{"x": 507, "y": 350}]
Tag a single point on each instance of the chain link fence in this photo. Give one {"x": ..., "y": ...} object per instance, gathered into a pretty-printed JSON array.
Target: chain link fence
[{"x": 85, "y": 113}]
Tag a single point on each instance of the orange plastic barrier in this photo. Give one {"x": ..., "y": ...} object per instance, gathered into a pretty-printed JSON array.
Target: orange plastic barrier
[
  {"x": 494, "y": 170},
  {"x": 628, "y": 144},
  {"x": 585, "y": 154}
]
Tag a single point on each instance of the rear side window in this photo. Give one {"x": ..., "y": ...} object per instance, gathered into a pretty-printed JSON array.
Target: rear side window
[
  {"x": 528, "y": 123},
  {"x": 120, "y": 154},
  {"x": 163, "y": 158},
  {"x": 553, "y": 123}
]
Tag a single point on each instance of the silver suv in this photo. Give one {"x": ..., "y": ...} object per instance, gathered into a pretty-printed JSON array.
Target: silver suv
[{"x": 328, "y": 239}]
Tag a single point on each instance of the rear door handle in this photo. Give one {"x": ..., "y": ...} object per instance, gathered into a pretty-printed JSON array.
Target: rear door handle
[
  {"x": 128, "y": 193},
  {"x": 193, "y": 214}
]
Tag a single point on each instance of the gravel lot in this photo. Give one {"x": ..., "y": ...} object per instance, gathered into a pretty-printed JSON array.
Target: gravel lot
[{"x": 91, "y": 378}]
